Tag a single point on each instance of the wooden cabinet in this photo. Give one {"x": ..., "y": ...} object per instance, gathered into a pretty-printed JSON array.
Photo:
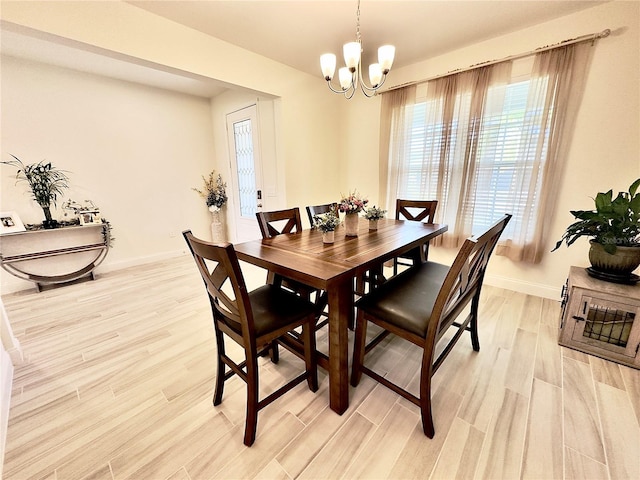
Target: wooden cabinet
[
  {"x": 55, "y": 256},
  {"x": 601, "y": 318}
]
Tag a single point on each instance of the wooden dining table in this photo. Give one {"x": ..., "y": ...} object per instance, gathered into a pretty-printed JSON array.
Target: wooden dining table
[{"x": 333, "y": 268}]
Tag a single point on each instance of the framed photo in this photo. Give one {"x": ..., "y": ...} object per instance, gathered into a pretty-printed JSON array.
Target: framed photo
[
  {"x": 10, "y": 223},
  {"x": 89, "y": 217}
]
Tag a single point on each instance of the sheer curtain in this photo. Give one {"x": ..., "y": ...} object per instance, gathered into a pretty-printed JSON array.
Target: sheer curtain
[{"x": 483, "y": 143}]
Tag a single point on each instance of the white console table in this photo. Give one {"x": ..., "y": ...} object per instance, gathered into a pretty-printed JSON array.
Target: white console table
[{"x": 55, "y": 256}]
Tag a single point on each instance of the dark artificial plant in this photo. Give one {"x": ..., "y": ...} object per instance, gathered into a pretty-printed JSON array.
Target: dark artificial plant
[{"x": 45, "y": 180}]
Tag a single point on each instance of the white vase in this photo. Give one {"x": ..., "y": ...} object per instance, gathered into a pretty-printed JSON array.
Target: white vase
[
  {"x": 217, "y": 228},
  {"x": 373, "y": 224},
  {"x": 328, "y": 237},
  {"x": 351, "y": 224}
]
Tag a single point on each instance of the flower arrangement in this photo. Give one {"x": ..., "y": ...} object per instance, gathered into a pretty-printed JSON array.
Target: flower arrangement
[
  {"x": 46, "y": 183},
  {"x": 214, "y": 191},
  {"x": 326, "y": 222},
  {"x": 352, "y": 203},
  {"x": 374, "y": 213}
]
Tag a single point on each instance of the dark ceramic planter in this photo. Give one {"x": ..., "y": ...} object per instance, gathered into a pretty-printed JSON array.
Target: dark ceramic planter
[
  {"x": 616, "y": 268},
  {"x": 49, "y": 224}
]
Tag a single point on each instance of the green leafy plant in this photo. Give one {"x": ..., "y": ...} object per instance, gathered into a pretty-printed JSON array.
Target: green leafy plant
[
  {"x": 326, "y": 222},
  {"x": 374, "y": 213},
  {"x": 45, "y": 180},
  {"x": 614, "y": 222},
  {"x": 214, "y": 191},
  {"x": 352, "y": 203}
]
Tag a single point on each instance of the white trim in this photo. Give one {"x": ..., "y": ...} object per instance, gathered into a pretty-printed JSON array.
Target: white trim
[{"x": 529, "y": 288}]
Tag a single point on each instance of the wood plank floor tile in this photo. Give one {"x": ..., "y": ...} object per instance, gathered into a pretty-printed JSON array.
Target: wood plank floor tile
[
  {"x": 543, "y": 442},
  {"x": 520, "y": 369},
  {"x": 485, "y": 393},
  {"x": 251, "y": 461},
  {"x": 531, "y": 314},
  {"x": 322, "y": 431},
  {"x": 273, "y": 471},
  {"x": 621, "y": 432},
  {"x": 606, "y": 372},
  {"x": 460, "y": 452},
  {"x": 631, "y": 378},
  {"x": 580, "y": 467},
  {"x": 581, "y": 420},
  {"x": 420, "y": 454},
  {"x": 339, "y": 451},
  {"x": 118, "y": 376},
  {"x": 502, "y": 454},
  {"x": 383, "y": 447},
  {"x": 550, "y": 312},
  {"x": 548, "y": 363}
]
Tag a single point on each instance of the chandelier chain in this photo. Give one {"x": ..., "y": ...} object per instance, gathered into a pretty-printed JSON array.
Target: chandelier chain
[{"x": 358, "y": 38}]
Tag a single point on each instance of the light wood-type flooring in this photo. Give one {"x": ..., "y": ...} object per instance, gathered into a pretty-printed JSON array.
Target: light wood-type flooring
[{"x": 118, "y": 379}]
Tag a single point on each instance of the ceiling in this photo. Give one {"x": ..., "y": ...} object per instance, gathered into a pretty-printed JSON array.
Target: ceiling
[{"x": 296, "y": 33}]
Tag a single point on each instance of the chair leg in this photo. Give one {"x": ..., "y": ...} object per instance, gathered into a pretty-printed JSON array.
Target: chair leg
[
  {"x": 219, "y": 390},
  {"x": 251, "y": 422},
  {"x": 274, "y": 352},
  {"x": 311, "y": 364},
  {"x": 473, "y": 323},
  {"x": 358, "y": 349},
  {"x": 425, "y": 398}
]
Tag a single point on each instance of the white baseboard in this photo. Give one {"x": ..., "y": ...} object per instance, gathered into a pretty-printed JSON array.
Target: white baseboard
[
  {"x": 133, "y": 262},
  {"x": 535, "y": 289}
]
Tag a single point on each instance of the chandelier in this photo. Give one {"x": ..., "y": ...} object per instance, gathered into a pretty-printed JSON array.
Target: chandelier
[{"x": 350, "y": 77}]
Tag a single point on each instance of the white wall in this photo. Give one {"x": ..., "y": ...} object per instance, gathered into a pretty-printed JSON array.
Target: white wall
[
  {"x": 329, "y": 145},
  {"x": 135, "y": 151},
  {"x": 605, "y": 150},
  {"x": 114, "y": 136}
]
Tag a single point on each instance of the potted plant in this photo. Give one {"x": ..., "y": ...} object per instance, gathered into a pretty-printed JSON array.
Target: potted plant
[
  {"x": 614, "y": 230},
  {"x": 327, "y": 224},
  {"x": 46, "y": 183},
  {"x": 373, "y": 214},
  {"x": 351, "y": 205}
]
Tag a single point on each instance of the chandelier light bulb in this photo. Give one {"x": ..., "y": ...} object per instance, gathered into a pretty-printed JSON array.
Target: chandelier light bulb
[
  {"x": 351, "y": 52},
  {"x": 385, "y": 57},
  {"x": 375, "y": 74},
  {"x": 328, "y": 65},
  {"x": 346, "y": 78}
]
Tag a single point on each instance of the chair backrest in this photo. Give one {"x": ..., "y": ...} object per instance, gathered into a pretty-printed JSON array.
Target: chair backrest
[
  {"x": 416, "y": 210},
  {"x": 313, "y": 210},
  {"x": 218, "y": 264},
  {"x": 279, "y": 222},
  {"x": 465, "y": 277}
]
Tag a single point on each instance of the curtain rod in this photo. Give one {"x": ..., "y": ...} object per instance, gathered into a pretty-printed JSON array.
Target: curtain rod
[{"x": 583, "y": 38}]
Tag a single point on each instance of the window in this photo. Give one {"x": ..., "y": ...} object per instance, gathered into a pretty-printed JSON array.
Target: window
[{"x": 484, "y": 142}]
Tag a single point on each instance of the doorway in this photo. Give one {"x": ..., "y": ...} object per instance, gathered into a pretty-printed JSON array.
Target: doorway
[{"x": 246, "y": 171}]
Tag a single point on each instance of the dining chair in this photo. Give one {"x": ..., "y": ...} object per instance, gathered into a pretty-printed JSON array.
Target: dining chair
[
  {"x": 420, "y": 305},
  {"x": 313, "y": 210},
  {"x": 254, "y": 320},
  {"x": 280, "y": 222},
  {"x": 416, "y": 211}
]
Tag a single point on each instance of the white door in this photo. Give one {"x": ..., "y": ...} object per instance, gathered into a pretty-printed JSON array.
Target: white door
[{"x": 246, "y": 171}]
